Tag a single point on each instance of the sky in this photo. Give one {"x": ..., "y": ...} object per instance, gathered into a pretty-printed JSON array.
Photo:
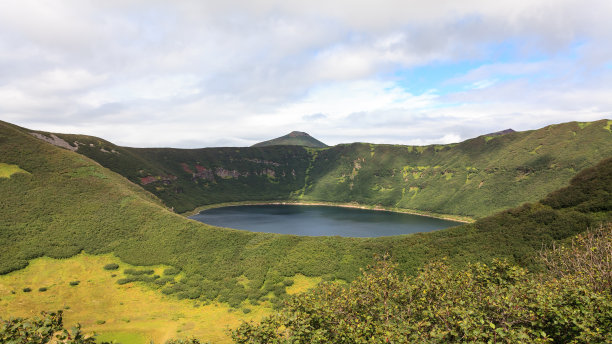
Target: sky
[{"x": 189, "y": 74}]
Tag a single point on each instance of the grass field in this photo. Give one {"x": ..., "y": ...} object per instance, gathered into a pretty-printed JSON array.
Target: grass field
[{"x": 129, "y": 314}]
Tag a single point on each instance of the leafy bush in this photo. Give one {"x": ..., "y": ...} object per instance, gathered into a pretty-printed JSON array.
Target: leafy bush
[
  {"x": 42, "y": 289},
  {"x": 123, "y": 281},
  {"x": 499, "y": 302},
  {"x": 162, "y": 281},
  {"x": 47, "y": 328},
  {"x": 184, "y": 341},
  {"x": 589, "y": 256},
  {"x": 138, "y": 272},
  {"x": 111, "y": 266},
  {"x": 74, "y": 283},
  {"x": 137, "y": 278},
  {"x": 27, "y": 290},
  {"x": 171, "y": 271}
]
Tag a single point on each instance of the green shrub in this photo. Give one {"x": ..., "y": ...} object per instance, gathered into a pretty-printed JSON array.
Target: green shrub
[
  {"x": 111, "y": 266},
  {"x": 171, "y": 271},
  {"x": 74, "y": 283},
  {"x": 47, "y": 328},
  {"x": 27, "y": 290},
  {"x": 162, "y": 281},
  {"x": 123, "y": 281},
  {"x": 184, "y": 341},
  {"x": 279, "y": 290},
  {"x": 138, "y": 272},
  {"x": 42, "y": 289}
]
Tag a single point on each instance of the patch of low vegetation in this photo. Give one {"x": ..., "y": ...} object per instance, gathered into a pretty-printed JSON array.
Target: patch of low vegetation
[
  {"x": 136, "y": 272},
  {"x": 151, "y": 315},
  {"x": 137, "y": 278},
  {"x": 498, "y": 302},
  {"x": 171, "y": 271},
  {"x": 111, "y": 266},
  {"x": 7, "y": 170}
]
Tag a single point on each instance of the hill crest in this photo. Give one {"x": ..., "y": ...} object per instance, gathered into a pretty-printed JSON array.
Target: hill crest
[{"x": 294, "y": 138}]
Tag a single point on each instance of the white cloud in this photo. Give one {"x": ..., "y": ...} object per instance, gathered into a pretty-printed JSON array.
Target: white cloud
[
  {"x": 201, "y": 73},
  {"x": 480, "y": 84}
]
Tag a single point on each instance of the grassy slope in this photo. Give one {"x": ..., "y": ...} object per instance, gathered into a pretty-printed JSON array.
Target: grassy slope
[{"x": 462, "y": 179}]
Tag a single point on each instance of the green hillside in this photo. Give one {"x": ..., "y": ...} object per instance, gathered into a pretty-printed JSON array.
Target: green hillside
[
  {"x": 475, "y": 178},
  {"x": 294, "y": 138},
  {"x": 67, "y": 203},
  {"x": 55, "y": 202}
]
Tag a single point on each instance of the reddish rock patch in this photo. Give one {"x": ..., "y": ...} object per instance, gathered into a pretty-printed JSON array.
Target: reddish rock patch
[{"x": 186, "y": 168}]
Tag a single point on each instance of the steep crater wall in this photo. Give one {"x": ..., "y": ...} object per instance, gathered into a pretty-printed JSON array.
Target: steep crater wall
[{"x": 473, "y": 178}]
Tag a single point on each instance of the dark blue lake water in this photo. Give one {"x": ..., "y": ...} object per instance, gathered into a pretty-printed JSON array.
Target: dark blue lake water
[{"x": 320, "y": 220}]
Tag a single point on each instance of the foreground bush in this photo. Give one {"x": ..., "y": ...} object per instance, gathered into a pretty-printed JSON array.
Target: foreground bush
[
  {"x": 47, "y": 328},
  {"x": 483, "y": 303}
]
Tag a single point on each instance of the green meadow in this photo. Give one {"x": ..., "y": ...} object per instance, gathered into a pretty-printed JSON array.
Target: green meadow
[{"x": 128, "y": 313}]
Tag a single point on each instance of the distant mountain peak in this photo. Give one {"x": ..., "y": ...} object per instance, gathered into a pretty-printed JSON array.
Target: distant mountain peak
[
  {"x": 501, "y": 132},
  {"x": 298, "y": 134},
  {"x": 294, "y": 138}
]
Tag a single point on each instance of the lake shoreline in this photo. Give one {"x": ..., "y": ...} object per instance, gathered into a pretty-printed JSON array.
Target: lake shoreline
[{"x": 456, "y": 218}]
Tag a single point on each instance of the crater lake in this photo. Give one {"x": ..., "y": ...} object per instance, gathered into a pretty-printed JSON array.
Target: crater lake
[{"x": 315, "y": 220}]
